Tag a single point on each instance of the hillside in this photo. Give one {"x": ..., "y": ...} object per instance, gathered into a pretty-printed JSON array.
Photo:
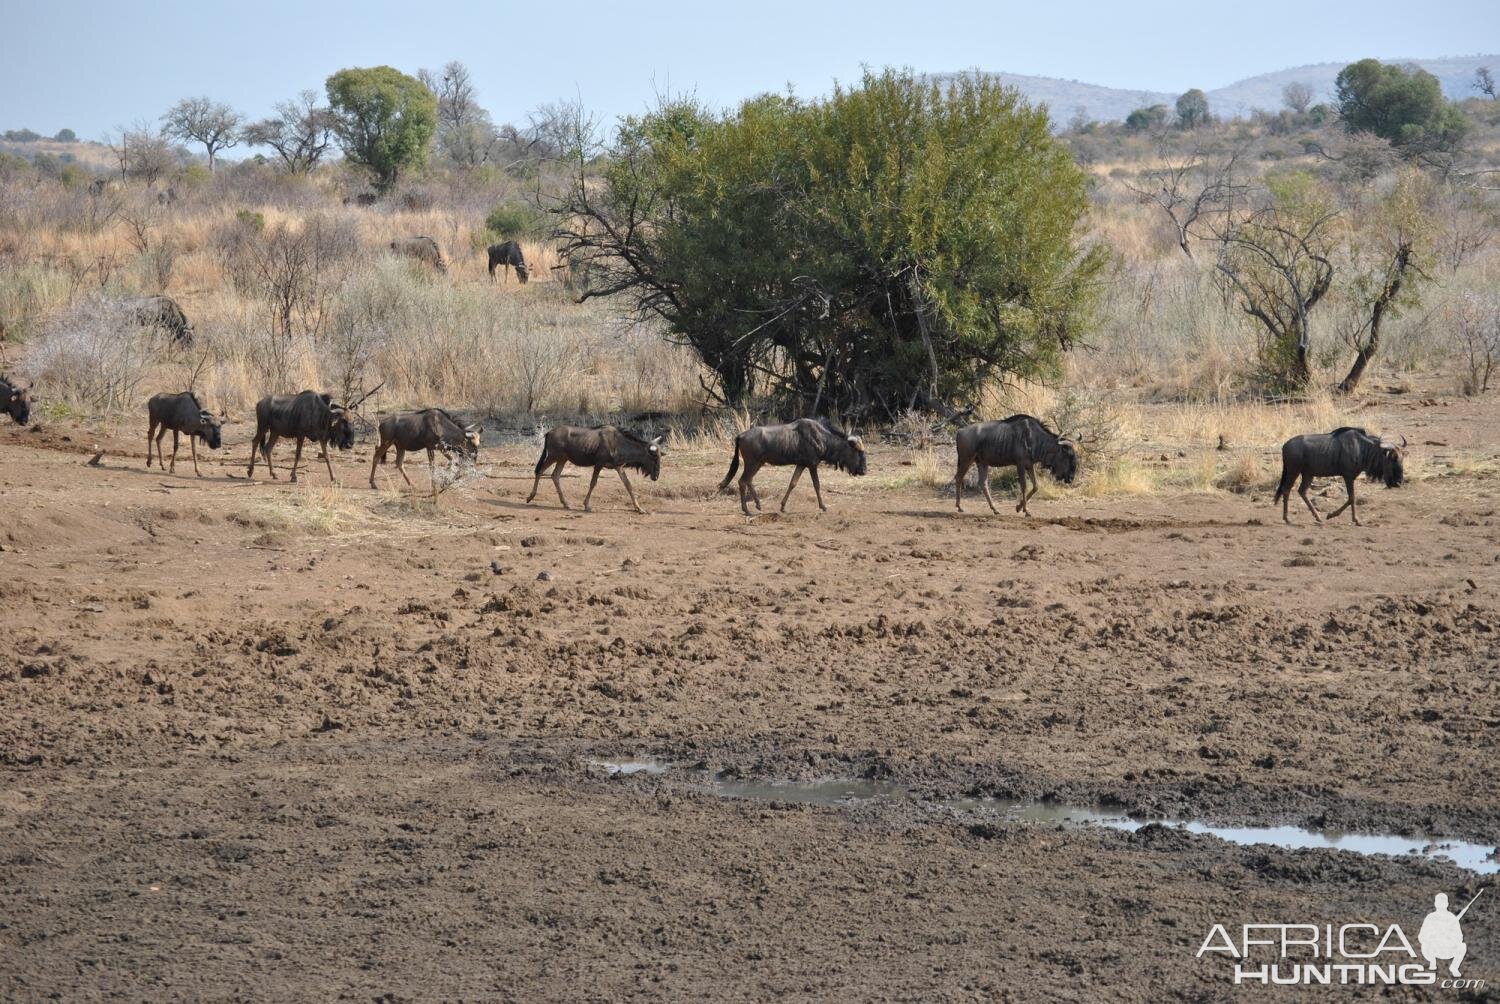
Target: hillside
[{"x": 1065, "y": 97}]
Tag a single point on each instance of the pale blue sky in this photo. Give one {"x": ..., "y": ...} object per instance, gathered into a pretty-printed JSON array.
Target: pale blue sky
[{"x": 92, "y": 66}]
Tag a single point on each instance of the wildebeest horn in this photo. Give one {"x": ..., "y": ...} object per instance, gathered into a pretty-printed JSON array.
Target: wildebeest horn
[{"x": 205, "y": 414}]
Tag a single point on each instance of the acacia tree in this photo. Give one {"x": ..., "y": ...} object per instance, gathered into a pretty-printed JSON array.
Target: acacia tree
[
  {"x": 893, "y": 246},
  {"x": 1402, "y": 105},
  {"x": 201, "y": 120},
  {"x": 1192, "y": 109},
  {"x": 1189, "y": 191},
  {"x": 300, "y": 132},
  {"x": 384, "y": 121},
  {"x": 1389, "y": 253},
  {"x": 1276, "y": 263},
  {"x": 465, "y": 132}
]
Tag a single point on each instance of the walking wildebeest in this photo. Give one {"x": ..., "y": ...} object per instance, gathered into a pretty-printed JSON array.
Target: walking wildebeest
[
  {"x": 430, "y": 429},
  {"x": 1020, "y": 441},
  {"x": 422, "y": 249},
  {"x": 508, "y": 255},
  {"x": 180, "y": 413},
  {"x": 165, "y": 313},
  {"x": 304, "y": 416},
  {"x": 806, "y": 443},
  {"x": 1345, "y": 452},
  {"x": 603, "y": 447},
  {"x": 15, "y": 400}
]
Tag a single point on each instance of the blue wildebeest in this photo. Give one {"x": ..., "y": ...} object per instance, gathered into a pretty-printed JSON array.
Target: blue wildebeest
[
  {"x": 423, "y": 249},
  {"x": 431, "y": 429},
  {"x": 15, "y": 400},
  {"x": 1020, "y": 441},
  {"x": 805, "y": 444},
  {"x": 508, "y": 256},
  {"x": 162, "y": 312},
  {"x": 180, "y": 414},
  {"x": 304, "y": 416},
  {"x": 603, "y": 447},
  {"x": 1346, "y": 452}
]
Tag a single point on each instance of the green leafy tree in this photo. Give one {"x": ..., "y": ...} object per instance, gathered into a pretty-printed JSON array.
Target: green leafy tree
[
  {"x": 66, "y": 136},
  {"x": 384, "y": 121},
  {"x": 1402, "y": 105},
  {"x": 1276, "y": 263},
  {"x": 1192, "y": 109},
  {"x": 1150, "y": 117},
  {"x": 896, "y": 245}
]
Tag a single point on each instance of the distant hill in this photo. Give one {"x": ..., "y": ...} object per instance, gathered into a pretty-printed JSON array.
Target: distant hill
[{"x": 1105, "y": 104}]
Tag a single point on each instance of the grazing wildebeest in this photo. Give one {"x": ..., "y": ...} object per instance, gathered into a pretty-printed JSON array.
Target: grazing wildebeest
[
  {"x": 508, "y": 255},
  {"x": 430, "y": 429},
  {"x": 1020, "y": 441},
  {"x": 362, "y": 199},
  {"x": 603, "y": 447},
  {"x": 1345, "y": 452},
  {"x": 15, "y": 400},
  {"x": 180, "y": 414},
  {"x": 422, "y": 249},
  {"x": 165, "y": 313},
  {"x": 805, "y": 443},
  {"x": 304, "y": 416}
]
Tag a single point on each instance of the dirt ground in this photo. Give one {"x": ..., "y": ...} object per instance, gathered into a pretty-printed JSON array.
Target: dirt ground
[{"x": 290, "y": 742}]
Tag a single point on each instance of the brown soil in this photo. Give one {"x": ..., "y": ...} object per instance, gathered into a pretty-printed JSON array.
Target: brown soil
[{"x": 282, "y": 742}]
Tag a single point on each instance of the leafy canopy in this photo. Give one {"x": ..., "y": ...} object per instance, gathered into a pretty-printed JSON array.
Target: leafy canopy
[
  {"x": 1403, "y": 105},
  {"x": 384, "y": 121},
  {"x": 895, "y": 245}
]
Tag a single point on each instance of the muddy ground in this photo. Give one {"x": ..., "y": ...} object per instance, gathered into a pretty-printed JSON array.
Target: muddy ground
[{"x": 283, "y": 742}]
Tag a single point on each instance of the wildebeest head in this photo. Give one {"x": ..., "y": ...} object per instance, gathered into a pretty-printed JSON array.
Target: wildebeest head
[
  {"x": 210, "y": 427},
  {"x": 653, "y": 463},
  {"x": 853, "y": 460},
  {"x": 1063, "y": 463},
  {"x": 15, "y": 401},
  {"x": 521, "y": 272},
  {"x": 340, "y": 428},
  {"x": 470, "y": 445},
  {"x": 1386, "y": 466}
]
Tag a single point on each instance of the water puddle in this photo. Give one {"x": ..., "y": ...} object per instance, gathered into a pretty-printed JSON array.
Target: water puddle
[{"x": 843, "y": 792}]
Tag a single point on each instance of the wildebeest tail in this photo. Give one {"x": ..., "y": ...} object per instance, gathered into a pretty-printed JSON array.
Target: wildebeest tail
[
  {"x": 734, "y": 467},
  {"x": 1284, "y": 488},
  {"x": 541, "y": 461}
]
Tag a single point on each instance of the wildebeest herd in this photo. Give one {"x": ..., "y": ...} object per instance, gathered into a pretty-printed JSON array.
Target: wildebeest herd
[{"x": 1020, "y": 441}]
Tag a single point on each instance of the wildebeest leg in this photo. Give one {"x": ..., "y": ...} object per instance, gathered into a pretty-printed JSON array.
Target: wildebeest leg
[
  {"x": 329, "y": 461},
  {"x": 1302, "y": 490},
  {"x": 588, "y": 506},
  {"x": 1030, "y": 470},
  {"x": 193, "y": 449},
  {"x": 1021, "y": 477},
  {"x": 269, "y": 445},
  {"x": 796, "y": 474},
  {"x": 254, "y": 449},
  {"x": 958, "y": 482},
  {"x": 375, "y": 460},
  {"x": 541, "y": 465},
  {"x": 432, "y": 473},
  {"x": 812, "y": 472},
  {"x": 1348, "y": 502},
  {"x": 557, "y": 482},
  {"x": 747, "y": 487},
  {"x": 982, "y": 471},
  {"x": 173, "y": 468},
  {"x": 160, "y": 460},
  {"x": 150, "y": 432},
  {"x": 401, "y": 456},
  {"x": 629, "y": 490},
  {"x": 296, "y": 460}
]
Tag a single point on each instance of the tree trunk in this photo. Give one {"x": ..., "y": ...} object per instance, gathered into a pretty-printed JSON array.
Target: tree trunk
[{"x": 1377, "y": 314}]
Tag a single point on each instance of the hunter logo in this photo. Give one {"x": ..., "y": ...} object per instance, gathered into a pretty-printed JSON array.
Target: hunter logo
[{"x": 1361, "y": 954}]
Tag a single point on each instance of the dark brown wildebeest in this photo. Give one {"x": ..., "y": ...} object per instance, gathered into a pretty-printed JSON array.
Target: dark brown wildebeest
[
  {"x": 603, "y": 447},
  {"x": 508, "y": 256},
  {"x": 805, "y": 443},
  {"x": 1020, "y": 441},
  {"x": 15, "y": 400},
  {"x": 162, "y": 312},
  {"x": 181, "y": 414},
  {"x": 304, "y": 416},
  {"x": 423, "y": 249},
  {"x": 1345, "y": 452},
  {"x": 431, "y": 429}
]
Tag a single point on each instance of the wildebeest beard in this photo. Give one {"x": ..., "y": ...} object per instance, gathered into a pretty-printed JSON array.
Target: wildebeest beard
[
  {"x": 1062, "y": 463},
  {"x": 1386, "y": 467}
]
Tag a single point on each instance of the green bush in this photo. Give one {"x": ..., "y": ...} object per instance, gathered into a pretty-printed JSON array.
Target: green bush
[{"x": 513, "y": 220}]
